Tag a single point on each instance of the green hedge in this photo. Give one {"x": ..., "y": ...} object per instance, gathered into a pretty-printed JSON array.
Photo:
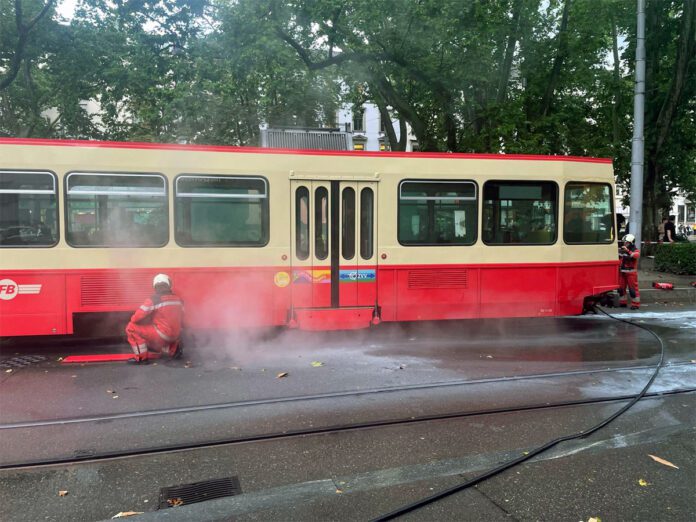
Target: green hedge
[{"x": 677, "y": 258}]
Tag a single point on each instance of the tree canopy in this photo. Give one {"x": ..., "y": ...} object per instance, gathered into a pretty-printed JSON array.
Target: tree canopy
[{"x": 510, "y": 76}]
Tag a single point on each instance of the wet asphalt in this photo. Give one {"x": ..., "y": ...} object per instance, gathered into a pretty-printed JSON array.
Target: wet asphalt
[{"x": 510, "y": 382}]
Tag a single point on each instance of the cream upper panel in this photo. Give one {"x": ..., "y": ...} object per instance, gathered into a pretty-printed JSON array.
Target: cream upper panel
[{"x": 277, "y": 169}]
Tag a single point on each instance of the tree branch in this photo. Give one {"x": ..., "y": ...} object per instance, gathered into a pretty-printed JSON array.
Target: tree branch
[{"x": 23, "y": 31}]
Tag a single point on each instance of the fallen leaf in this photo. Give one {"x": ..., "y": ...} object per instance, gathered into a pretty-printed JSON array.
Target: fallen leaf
[
  {"x": 110, "y": 391},
  {"x": 644, "y": 482},
  {"x": 281, "y": 375},
  {"x": 339, "y": 491},
  {"x": 525, "y": 453},
  {"x": 122, "y": 514},
  {"x": 489, "y": 356},
  {"x": 317, "y": 364},
  {"x": 8, "y": 371},
  {"x": 60, "y": 359},
  {"x": 594, "y": 519},
  {"x": 63, "y": 493},
  {"x": 174, "y": 502},
  {"x": 114, "y": 396},
  {"x": 663, "y": 461}
]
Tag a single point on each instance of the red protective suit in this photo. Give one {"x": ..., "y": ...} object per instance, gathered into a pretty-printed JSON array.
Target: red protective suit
[
  {"x": 628, "y": 276},
  {"x": 156, "y": 326}
]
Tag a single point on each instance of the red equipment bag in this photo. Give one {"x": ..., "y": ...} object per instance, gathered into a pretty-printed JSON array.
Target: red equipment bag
[{"x": 663, "y": 286}]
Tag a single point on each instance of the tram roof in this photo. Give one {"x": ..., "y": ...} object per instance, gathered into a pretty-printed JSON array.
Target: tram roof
[{"x": 305, "y": 152}]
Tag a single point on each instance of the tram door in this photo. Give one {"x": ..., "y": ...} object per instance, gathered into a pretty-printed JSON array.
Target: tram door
[{"x": 334, "y": 243}]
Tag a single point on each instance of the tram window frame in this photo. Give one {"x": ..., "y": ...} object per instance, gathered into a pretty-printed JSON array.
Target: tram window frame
[
  {"x": 612, "y": 213},
  {"x": 537, "y": 182},
  {"x": 56, "y": 203},
  {"x": 348, "y": 226},
  {"x": 321, "y": 223},
  {"x": 302, "y": 250},
  {"x": 265, "y": 211},
  {"x": 105, "y": 193},
  {"x": 367, "y": 224},
  {"x": 431, "y": 209}
]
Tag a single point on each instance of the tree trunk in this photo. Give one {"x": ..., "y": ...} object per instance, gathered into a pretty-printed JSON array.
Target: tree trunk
[
  {"x": 387, "y": 124},
  {"x": 506, "y": 67},
  {"x": 685, "y": 51},
  {"x": 557, "y": 62}
]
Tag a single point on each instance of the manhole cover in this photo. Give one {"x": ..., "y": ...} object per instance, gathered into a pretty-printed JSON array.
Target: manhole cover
[
  {"x": 21, "y": 361},
  {"x": 198, "y": 492}
]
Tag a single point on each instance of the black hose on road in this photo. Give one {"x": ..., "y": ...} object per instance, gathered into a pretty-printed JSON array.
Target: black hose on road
[{"x": 533, "y": 453}]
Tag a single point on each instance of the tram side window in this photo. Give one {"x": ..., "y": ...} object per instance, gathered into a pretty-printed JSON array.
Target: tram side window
[
  {"x": 588, "y": 214},
  {"x": 28, "y": 211},
  {"x": 221, "y": 211},
  {"x": 437, "y": 213},
  {"x": 519, "y": 212},
  {"x": 116, "y": 210}
]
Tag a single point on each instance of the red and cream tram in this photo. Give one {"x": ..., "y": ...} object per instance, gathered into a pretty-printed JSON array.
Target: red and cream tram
[{"x": 312, "y": 239}]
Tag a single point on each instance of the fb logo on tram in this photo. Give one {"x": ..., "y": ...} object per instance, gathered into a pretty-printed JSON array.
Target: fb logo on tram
[{"x": 9, "y": 289}]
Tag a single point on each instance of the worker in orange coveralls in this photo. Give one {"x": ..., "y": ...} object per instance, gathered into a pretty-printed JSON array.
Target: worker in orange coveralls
[
  {"x": 156, "y": 326},
  {"x": 628, "y": 272}
]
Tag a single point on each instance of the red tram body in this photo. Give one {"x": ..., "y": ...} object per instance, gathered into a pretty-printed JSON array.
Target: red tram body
[{"x": 311, "y": 239}]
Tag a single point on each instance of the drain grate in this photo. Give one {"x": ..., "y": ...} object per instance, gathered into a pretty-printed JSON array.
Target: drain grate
[
  {"x": 21, "y": 361},
  {"x": 198, "y": 492}
]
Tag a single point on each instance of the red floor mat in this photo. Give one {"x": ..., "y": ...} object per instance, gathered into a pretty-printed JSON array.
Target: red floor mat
[{"x": 107, "y": 357}]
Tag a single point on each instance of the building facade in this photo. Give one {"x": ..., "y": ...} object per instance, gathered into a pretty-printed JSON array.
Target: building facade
[{"x": 368, "y": 129}]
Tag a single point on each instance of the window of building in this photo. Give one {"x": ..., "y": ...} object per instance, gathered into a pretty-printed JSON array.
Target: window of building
[
  {"x": 221, "y": 211},
  {"x": 588, "y": 216},
  {"x": 437, "y": 213},
  {"x": 116, "y": 210},
  {"x": 519, "y": 212},
  {"x": 359, "y": 119},
  {"x": 28, "y": 210}
]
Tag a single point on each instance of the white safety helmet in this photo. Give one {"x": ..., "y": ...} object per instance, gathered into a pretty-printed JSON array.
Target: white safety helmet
[
  {"x": 161, "y": 279},
  {"x": 628, "y": 238}
]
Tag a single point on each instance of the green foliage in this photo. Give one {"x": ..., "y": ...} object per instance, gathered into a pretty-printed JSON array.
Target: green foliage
[
  {"x": 677, "y": 258},
  {"x": 512, "y": 76}
]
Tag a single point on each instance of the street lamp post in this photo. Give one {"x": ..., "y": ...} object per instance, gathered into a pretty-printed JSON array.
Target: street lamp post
[{"x": 638, "y": 144}]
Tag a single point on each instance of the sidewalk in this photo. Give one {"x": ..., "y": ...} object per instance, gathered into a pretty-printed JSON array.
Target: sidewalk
[{"x": 683, "y": 292}]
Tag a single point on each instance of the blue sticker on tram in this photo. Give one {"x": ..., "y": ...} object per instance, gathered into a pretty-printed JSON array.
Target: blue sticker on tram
[{"x": 357, "y": 276}]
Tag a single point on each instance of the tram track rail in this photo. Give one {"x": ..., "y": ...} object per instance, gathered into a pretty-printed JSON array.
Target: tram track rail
[
  {"x": 330, "y": 429},
  {"x": 320, "y": 396}
]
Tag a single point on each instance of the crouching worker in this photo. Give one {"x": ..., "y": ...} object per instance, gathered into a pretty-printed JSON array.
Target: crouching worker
[
  {"x": 628, "y": 274},
  {"x": 156, "y": 326}
]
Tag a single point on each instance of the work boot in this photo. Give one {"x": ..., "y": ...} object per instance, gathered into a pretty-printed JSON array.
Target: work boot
[
  {"x": 634, "y": 307},
  {"x": 136, "y": 360},
  {"x": 179, "y": 351}
]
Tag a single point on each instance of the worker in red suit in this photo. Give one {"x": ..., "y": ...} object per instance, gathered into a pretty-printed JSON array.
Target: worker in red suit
[
  {"x": 628, "y": 272},
  {"x": 156, "y": 326}
]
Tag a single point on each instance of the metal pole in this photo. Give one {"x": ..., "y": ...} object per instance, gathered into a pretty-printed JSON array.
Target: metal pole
[{"x": 638, "y": 145}]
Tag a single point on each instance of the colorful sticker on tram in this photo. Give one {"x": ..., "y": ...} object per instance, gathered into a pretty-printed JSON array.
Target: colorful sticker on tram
[
  {"x": 357, "y": 276},
  {"x": 9, "y": 289},
  {"x": 311, "y": 276},
  {"x": 281, "y": 279}
]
